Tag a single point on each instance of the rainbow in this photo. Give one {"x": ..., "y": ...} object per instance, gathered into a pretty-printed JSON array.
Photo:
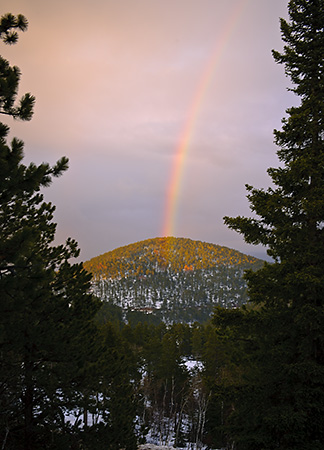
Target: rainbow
[{"x": 174, "y": 185}]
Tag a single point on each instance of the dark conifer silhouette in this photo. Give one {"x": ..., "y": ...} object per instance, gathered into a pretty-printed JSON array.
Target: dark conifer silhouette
[{"x": 281, "y": 403}]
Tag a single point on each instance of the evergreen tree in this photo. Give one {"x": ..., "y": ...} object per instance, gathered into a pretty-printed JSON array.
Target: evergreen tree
[
  {"x": 282, "y": 403},
  {"x": 46, "y": 328}
]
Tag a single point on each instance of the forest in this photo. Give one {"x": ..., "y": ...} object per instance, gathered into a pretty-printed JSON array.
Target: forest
[
  {"x": 250, "y": 378},
  {"x": 184, "y": 285}
]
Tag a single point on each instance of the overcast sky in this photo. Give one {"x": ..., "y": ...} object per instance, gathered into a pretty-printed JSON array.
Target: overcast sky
[{"x": 118, "y": 83}]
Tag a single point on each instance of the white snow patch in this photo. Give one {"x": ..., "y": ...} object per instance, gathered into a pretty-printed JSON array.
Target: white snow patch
[
  {"x": 155, "y": 447},
  {"x": 193, "y": 365}
]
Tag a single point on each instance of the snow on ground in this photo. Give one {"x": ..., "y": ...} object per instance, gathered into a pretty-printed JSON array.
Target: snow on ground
[
  {"x": 167, "y": 447},
  {"x": 155, "y": 447},
  {"x": 193, "y": 365}
]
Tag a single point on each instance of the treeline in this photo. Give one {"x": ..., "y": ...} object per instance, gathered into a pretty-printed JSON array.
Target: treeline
[
  {"x": 187, "y": 376},
  {"x": 165, "y": 384},
  {"x": 180, "y": 390}
]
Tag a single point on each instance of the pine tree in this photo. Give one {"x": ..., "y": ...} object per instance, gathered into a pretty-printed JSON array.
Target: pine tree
[
  {"x": 282, "y": 404},
  {"x": 46, "y": 328},
  {"x": 10, "y": 76}
]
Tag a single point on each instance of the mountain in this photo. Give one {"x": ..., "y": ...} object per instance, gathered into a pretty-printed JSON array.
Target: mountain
[{"x": 169, "y": 279}]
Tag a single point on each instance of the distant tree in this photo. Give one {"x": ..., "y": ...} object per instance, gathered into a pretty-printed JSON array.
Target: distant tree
[
  {"x": 281, "y": 403},
  {"x": 46, "y": 328}
]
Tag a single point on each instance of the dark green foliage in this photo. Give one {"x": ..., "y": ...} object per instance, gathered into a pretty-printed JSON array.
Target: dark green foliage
[
  {"x": 136, "y": 317},
  {"x": 109, "y": 313},
  {"x": 110, "y": 401},
  {"x": 8, "y": 26},
  {"x": 10, "y": 76},
  {"x": 281, "y": 404}
]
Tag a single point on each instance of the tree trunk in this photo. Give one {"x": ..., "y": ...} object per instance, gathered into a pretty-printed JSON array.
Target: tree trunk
[{"x": 28, "y": 406}]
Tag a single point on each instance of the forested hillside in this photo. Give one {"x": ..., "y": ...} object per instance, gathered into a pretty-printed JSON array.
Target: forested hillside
[{"x": 171, "y": 279}]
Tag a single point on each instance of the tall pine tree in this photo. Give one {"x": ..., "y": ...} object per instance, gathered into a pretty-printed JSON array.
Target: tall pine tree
[
  {"x": 46, "y": 327},
  {"x": 281, "y": 404}
]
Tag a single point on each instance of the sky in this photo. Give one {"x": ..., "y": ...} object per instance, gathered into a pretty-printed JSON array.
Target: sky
[{"x": 165, "y": 109}]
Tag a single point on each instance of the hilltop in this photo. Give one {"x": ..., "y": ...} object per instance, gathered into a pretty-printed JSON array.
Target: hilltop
[
  {"x": 172, "y": 279},
  {"x": 158, "y": 254}
]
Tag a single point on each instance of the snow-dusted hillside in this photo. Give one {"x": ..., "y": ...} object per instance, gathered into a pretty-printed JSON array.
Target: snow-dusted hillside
[
  {"x": 187, "y": 296},
  {"x": 172, "y": 279}
]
